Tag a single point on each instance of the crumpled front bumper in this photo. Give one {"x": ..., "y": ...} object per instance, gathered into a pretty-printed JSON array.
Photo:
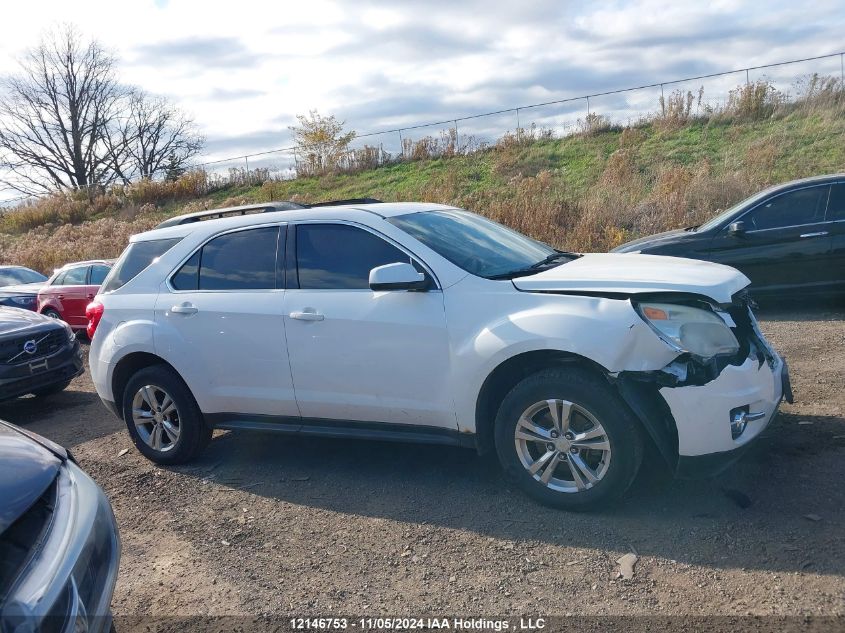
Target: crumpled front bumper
[
  {"x": 689, "y": 406},
  {"x": 703, "y": 414}
]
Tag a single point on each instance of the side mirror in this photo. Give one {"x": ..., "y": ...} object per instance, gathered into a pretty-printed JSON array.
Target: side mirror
[
  {"x": 736, "y": 229},
  {"x": 399, "y": 276}
]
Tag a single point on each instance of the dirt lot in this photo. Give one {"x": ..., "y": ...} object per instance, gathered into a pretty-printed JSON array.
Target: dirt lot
[{"x": 267, "y": 524}]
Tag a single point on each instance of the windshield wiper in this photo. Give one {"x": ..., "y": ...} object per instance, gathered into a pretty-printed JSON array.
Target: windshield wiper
[
  {"x": 521, "y": 272},
  {"x": 551, "y": 258}
]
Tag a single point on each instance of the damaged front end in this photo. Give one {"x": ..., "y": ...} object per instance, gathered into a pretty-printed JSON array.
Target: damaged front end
[{"x": 721, "y": 390}]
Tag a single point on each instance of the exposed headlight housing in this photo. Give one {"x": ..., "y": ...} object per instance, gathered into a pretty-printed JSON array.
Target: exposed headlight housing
[{"x": 697, "y": 331}]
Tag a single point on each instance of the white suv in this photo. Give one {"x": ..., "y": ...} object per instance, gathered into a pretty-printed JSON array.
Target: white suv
[{"x": 422, "y": 322}]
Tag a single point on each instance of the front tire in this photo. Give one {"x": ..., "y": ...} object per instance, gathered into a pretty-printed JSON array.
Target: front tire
[
  {"x": 49, "y": 312},
  {"x": 163, "y": 419},
  {"x": 566, "y": 439}
]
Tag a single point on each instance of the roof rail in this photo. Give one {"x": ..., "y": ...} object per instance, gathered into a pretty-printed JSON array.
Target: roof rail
[
  {"x": 264, "y": 207},
  {"x": 341, "y": 203}
]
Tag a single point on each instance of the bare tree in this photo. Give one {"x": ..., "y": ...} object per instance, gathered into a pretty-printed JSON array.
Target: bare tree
[
  {"x": 155, "y": 138},
  {"x": 55, "y": 116},
  {"x": 321, "y": 142}
]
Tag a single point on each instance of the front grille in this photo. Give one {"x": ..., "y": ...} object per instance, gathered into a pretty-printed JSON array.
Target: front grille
[
  {"x": 19, "y": 542},
  {"x": 46, "y": 343}
]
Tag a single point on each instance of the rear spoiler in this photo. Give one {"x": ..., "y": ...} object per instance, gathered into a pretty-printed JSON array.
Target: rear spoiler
[{"x": 266, "y": 207}]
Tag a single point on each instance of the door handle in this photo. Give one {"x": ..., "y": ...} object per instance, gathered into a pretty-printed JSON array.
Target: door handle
[
  {"x": 61, "y": 296},
  {"x": 185, "y": 308},
  {"x": 816, "y": 234},
  {"x": 308, "y": 314},
  {"x": 90, "y": 296}
]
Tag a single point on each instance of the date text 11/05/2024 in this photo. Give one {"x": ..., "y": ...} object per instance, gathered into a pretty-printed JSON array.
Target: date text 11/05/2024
[{"x": 407, "y": 623}]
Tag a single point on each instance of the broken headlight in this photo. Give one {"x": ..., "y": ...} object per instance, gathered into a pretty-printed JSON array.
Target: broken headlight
[{"x": 695, "y": 330}]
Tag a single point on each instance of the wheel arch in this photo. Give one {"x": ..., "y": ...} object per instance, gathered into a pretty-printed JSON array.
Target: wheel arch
[
  {"x": 128, "y": 366},
  {"x": 507, "y": 374},
  {"x": 643, "y": 401}
]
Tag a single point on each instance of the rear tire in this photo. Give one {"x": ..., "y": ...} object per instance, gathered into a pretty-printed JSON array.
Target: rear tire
[
  {"x": 566, "y": 439},
  {"x": 162, "y": 416}
]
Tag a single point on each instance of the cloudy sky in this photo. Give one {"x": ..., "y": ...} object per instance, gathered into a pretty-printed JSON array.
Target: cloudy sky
[{"x": 243, "y": 69}]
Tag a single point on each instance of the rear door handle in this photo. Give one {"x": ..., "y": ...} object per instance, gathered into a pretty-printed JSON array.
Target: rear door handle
[
  {"x": 308, "y": 314},
  {"x": 90, "y": 296},
  {"x": 185, "y": 308},
  {"x": 816, "y": 234},
  {"x": 61, "y": 296}
]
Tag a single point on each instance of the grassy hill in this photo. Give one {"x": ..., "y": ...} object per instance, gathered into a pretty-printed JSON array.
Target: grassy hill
[{"x": 586, "y": 192}]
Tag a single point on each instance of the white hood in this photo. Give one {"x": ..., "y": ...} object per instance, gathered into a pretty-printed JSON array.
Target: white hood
[{"x": 630, "y": 273}]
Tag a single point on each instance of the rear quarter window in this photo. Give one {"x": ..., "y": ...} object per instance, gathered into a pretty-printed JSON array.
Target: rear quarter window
[{"x": 136, "y": 257}]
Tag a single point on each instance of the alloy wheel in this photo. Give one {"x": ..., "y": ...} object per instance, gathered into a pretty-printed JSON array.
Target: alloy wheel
[
  {"x": 562, "y": 446},
  {"x": 156, "y": 418}
]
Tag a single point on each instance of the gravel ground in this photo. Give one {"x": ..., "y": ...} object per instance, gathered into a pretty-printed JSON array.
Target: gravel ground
[{"x": 267, "y": 524}]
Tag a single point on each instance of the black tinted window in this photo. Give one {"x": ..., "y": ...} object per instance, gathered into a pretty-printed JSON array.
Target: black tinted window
[
  {"x": 795, "y": 208},
  {"x": 245, "y": 260},
  {"x": 836, "y": 205},
  {"x": 72, "y": 277},
  {"x": 188, "y": 276},
  {"x": 98, "y": 274},
  {"x": 136, "y": 258},
  {"x": 337, "y": 256}
]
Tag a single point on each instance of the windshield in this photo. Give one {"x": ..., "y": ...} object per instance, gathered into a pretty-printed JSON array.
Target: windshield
[
  {"x": 11, "y": 276},
  {"x": 478, "y": 245},
  {"x": 724, "y": 215}
]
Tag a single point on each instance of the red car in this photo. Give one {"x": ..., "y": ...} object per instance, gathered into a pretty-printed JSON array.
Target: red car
[{"x": 70, "y": 289}]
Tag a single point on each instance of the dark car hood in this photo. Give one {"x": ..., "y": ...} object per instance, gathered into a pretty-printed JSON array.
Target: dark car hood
[
  {"x": 650, "y": 240},
  {"x": 27, "y": 468},
  {"x": 22, "y": 289},
  {"x": 14, "y": 319}
]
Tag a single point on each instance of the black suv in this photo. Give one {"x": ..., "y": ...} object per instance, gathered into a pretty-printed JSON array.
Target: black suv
[
  {"x": 787, "y": 238},
  {"x": 38, "y": 355}
]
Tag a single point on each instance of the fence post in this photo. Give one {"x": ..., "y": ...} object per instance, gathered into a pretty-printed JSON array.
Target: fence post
[
  {"x": 456, "y": 136},
  {"x": 662, "y": 102},
  {"x": 587, "y": 123},
  {"x": 518, "y": 132},
  {"x": 246, "y": 160},
  {"x": 747, "y": 78},
  {"x": 401, "y": 146},
  {"x": 842, "y": 70}
]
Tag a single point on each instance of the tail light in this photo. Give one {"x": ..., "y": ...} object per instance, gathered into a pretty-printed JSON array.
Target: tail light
[{"x": 94, "y": 312}]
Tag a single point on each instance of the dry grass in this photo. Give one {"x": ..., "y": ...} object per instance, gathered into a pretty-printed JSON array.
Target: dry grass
[
  {"x": 588, "y": 191},
  {"x": 48, "y": 247}
]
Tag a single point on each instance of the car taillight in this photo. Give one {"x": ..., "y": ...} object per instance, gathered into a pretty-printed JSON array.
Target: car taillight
[{"x": 94, "y": 312}]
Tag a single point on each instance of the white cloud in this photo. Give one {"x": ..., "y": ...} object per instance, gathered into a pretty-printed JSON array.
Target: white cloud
[{"x": 244, "y": 69}]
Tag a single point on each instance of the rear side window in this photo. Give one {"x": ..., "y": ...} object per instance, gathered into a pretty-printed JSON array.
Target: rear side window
[
  {"x": 836, "y": 205},
  {"x": 98, "y": 274},
  {"x": 72, "y": 277},
  {"x": 804, "y": 206},
  {"x": 136, "y": 257},
  {"x": 338, "y": 256},
  {"x": 245, "y": 260}
]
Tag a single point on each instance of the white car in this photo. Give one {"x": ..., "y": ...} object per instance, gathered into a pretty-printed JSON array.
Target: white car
[{"x": 423, "y": 322}]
